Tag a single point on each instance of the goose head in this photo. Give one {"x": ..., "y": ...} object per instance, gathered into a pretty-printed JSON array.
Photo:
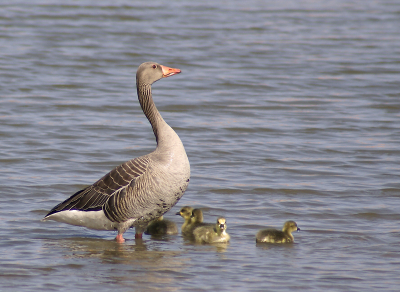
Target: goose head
[
  {"x": 221, "y": 224},
  {"x": 290, "y": 226},
  {"x": 150, "y": 72},
  {"x": 185, "y": 212}
]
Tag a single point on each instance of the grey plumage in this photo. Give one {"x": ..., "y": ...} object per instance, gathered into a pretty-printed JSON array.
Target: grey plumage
[{"x": 141, "y": 189}]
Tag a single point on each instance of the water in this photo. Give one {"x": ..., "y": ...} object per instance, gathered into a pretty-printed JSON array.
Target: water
[{"x": 287, "y": 110}]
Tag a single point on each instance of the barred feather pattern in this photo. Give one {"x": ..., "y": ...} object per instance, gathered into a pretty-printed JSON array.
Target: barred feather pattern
[
  {"x": 149, "y": 108},
  {"x": 107, "y": 191}
]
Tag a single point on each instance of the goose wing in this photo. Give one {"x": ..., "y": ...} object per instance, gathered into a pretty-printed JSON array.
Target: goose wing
[{"x": 94, "y": 197}]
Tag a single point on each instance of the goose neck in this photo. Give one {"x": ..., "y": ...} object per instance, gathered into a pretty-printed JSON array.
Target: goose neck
[{"x": 149, "y": 108}]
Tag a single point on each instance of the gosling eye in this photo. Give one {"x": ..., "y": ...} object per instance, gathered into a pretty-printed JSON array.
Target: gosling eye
[{"x": 154, "y": 66}]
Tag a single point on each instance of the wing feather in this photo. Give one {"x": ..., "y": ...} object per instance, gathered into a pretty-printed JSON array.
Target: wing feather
[{"x": 106, "y": 189}]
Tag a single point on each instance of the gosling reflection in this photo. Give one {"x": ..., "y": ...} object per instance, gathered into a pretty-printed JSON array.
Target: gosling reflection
[{"x": 278, "y": 236}]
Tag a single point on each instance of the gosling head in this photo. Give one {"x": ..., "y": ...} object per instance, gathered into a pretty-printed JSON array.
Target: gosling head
[
  {"x": 185, "y": 212},
  {"x": 221, "y": 224},
  {"x": 290, "y": 226},
  {"x": 197, "y": 216}
]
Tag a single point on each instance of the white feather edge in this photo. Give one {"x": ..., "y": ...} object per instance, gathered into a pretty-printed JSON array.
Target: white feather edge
[{"x": 96, "y": 220}]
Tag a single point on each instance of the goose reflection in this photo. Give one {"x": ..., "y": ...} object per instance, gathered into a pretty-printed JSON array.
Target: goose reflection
[{"x": 141, "y": 263}]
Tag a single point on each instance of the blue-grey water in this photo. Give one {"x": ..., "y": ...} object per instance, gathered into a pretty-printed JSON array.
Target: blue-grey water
[{"x": 287, "y": 110}]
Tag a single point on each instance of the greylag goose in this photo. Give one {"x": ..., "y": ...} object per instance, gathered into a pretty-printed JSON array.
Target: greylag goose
[
  {"x": 212, "y": 234},
  {"x": 140, "y": 190},
  {"x": 277, "y": 236},
  {"x": 161, "y": 226}
]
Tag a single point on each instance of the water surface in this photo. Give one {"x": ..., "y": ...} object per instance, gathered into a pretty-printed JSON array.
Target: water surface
[{"x": 287, "y": 110}]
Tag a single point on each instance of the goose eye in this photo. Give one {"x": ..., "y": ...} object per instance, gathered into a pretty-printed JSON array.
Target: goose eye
[{"x": 154, "y": 66}]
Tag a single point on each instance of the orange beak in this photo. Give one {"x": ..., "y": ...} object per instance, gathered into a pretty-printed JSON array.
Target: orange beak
[{"x": 167, "y": 71}]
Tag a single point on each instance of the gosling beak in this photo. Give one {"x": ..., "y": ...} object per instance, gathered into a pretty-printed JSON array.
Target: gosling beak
[
  {"x": 178, "y": 213},
  {"x": 222, "y": 226},
  {"x": 298, "y": 229},
  {"x": 167, "y": 71}
]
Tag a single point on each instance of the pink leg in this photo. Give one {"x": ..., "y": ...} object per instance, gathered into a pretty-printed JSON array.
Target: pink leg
[
  {"x": 119, "y": 238},
  {"x": 138, "y": 235}
]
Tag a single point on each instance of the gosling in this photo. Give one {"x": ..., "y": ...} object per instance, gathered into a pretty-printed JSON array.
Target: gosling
[
  {"x": 197, "y": 220},
  {"x": 186, "y": 213},
  {"x": 277, "y": 236},
  {"x": 161, "y": 226},
  {"x": 212, "y": 234},
  {"x": 197, "y": 216}
]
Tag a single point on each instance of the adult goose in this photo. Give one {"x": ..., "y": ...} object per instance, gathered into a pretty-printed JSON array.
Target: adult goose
[{"x": 140, "y": 190}]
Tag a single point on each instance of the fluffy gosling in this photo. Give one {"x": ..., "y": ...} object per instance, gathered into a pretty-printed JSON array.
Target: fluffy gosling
[
  {"x": 212, "y": 234},
  {"x": 277, "y": 236},
  {"x": 186, "y": 213},
  {"x": 161, "y": 226}
]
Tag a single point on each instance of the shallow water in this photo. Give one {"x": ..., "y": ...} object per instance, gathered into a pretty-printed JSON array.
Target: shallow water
[{"x": 287, "y": 110}]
